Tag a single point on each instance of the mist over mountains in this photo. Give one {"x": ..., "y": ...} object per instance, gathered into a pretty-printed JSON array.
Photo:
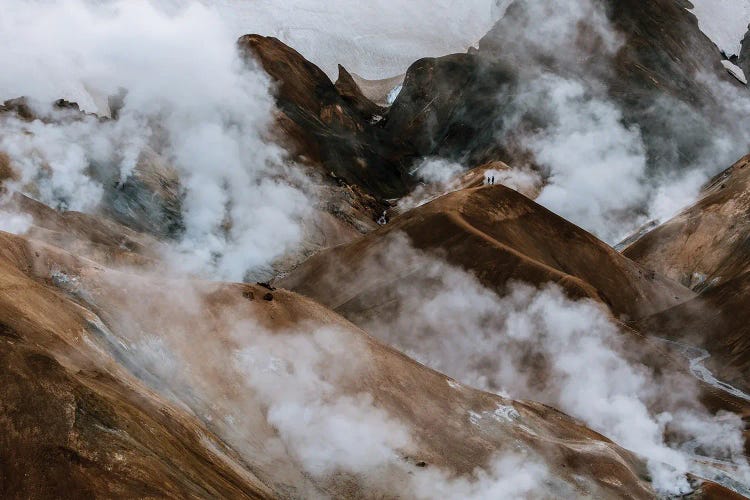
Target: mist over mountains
[{"x": 284, "y": 249}]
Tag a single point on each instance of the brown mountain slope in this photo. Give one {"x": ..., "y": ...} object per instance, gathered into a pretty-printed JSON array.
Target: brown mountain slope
[
  {"x": 94, "y": 237},
  {"x": 499, "y": 235},
  {"x": 75, "y": 425},
  {"x": 708, "y": 242},
  {"x": 128, "y": 386},
  {"x": 719, "y": 321}
]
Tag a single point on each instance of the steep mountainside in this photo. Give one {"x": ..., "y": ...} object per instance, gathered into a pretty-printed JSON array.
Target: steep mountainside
[
  {"x": 657, "y": 56},
  {"x": 449, "y": 322},
  {"x": 716, "y": 321},
  {"x": 707, "y": 243},
  {"x": 324, "y": 125},
  {"x": 500, "y": 236},
  {"x": 705, "y": 247},
  {"x": 93, "y": 405}
]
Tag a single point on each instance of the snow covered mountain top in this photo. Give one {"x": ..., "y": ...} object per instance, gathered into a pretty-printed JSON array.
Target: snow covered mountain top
[
  {"x": 375, "y": 39},
  {"x": 725, "y": 22}
]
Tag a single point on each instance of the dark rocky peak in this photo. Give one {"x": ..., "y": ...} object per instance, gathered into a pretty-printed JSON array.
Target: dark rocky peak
[
  {"x": 353, "y": 96},
  {"x": 299, "y": 82},
  {"x": 649, "y": 60},
  {"x": 328, "y": 125}
]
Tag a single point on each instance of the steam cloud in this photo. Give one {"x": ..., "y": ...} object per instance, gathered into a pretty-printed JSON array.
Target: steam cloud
[
  {"x": 540, "y": 345},
  {"x": 597, "y": 166},
  {"x": 188, "y": 97},
  {"x": 14, "y": 223},
  {"x": 601, "y": 172},
  {"x": 437, "y": 176},
  {"x": 287, "y": 400}
]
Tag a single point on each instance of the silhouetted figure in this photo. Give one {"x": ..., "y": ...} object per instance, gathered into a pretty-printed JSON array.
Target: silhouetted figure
[{"x": 383, "y": 220}]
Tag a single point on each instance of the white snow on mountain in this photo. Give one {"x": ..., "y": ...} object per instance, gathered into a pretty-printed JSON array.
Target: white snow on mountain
[
  {"x": 375, "y": 39},
  {"x": 735, "y": 71},
  {"x": 723, "y": 21}
]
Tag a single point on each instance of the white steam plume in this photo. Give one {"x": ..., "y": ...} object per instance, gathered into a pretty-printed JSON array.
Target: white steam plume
[
  {"x": 11, "y": 222},
  {"x": 526, "y": 182},
  {"x": 188, "y": 96},
  {"x": 511, "y": 476},
  {"x": 540, "y": 345},
  {"x": 288, "y": 399},
  {"x": 436, "y": 177},
  {"x": 598, "y": 169},
  {"x": 597, "y": 165},
  {"x": 327, "y": 431}
]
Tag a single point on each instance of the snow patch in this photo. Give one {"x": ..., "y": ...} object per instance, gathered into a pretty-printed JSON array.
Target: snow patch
[
  {"x": 724, "y": 22},
  {"x": 503, "y": 413},
  {"x": 393, "y": 94},
  {"x": 506, "y": 412},
  {"x": 375, "y": 39},
  {"x": 735, "y": 71},
  {"x": 65, "y": 281},
  {"x": 453, "y": 384}
]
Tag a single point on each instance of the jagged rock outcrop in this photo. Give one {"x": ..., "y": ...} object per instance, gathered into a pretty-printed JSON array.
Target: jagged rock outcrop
[
  {"x": 352, "y": 94},
  {"x": 325, "y": 126},
  {"x": 743, "y": 59}
]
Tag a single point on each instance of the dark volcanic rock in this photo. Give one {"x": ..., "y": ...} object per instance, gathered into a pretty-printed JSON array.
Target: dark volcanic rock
[
  {"x": 443, "y": 107},
  {"x": 149, "y": 200},
  {"x": 325, "y": 126},
  {"x": 352, "y": 94},
  {"x": 464, "y": 106},
  {"x": 18, "y": 106}
]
